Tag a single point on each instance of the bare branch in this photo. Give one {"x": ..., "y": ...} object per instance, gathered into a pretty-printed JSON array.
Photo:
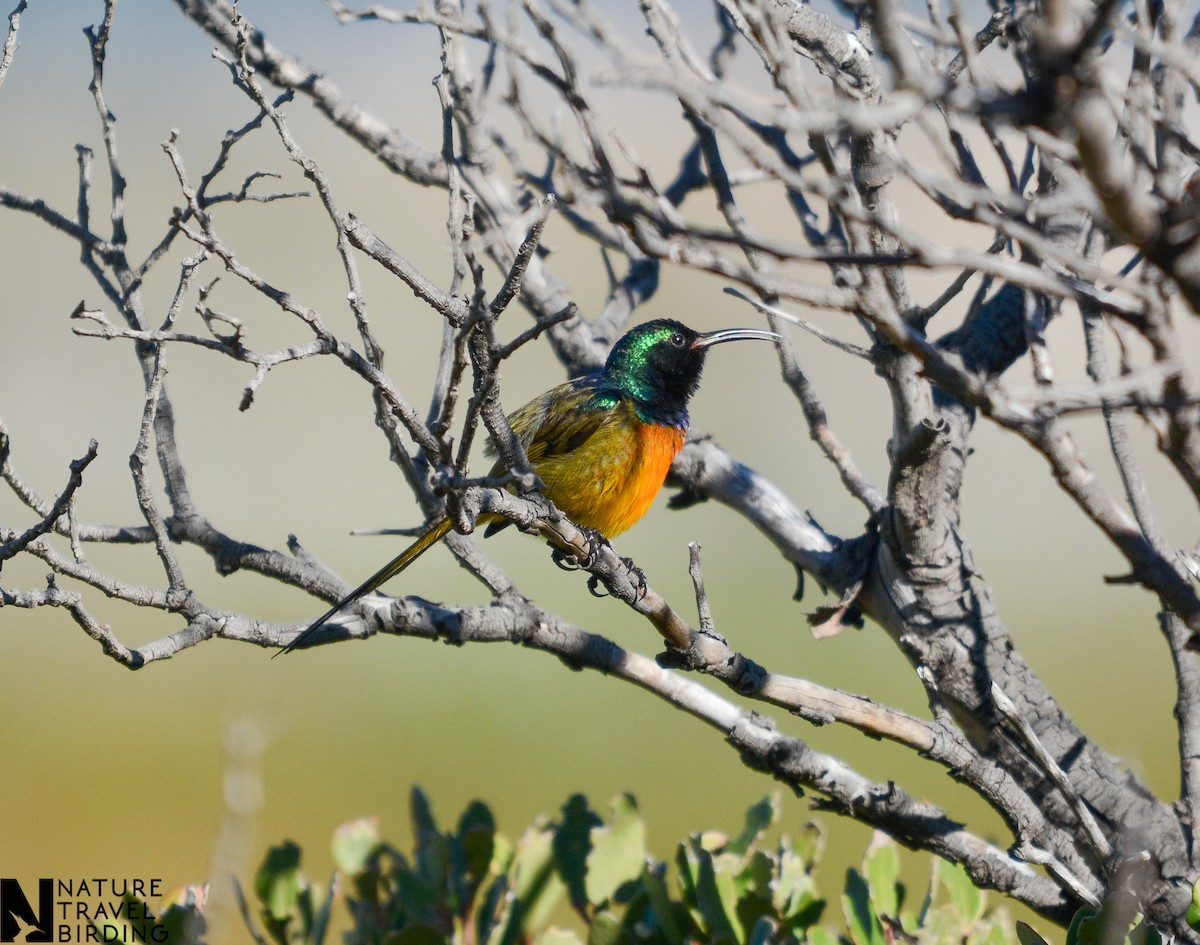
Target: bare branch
[
  {"x": 16, "y": 545},
  {"x": 452, "y": 308},
  {"x": 396, "y": 150},
  {"x": 10, "y": 41}
]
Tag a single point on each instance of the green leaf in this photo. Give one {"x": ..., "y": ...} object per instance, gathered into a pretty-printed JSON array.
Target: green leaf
[
  {"x": 497, "y": 917},
  {"x": 881, "y": 866},
  {"x": 820, "y": 936},
  {"x": 421, "y": 813},
  {"x": 493, "y": 904},
  {"x": 716, "y": 898},
  {"x": 1076, "y": 928},
  {"x": 759, "y": 818},
  {"x": 661, "y": 906},
  {"x": 1118, "y": 920},
  {"x": 966, "y": 898},
  {"x": 354, "y": 843},
  {"x": 572, "y": 844},
  {"x": 804, "y": 910},
  {"x": 412, "y": 898},
  {"x": 605, "y": 929},
  {"x": 502, "y": 854},
  {"x": 320, "y": 922},
  {"x": 764, "y": 932},
  {"x": 557, "y": 936},
  {"x": 930, "y": 892},
  {"x": 689, "y": 870},
  {"x": 477, "y": 838},
  {"x": 1193, "y": 910},
  {"x": 757, "y": 876},
  {"x": 863, "y": 924},
  {"x": 994, "y": 932},
  {"x": 535, "y": 884},
  {"x": 618, "y": 852},
  {"x": 278, "y": 882},
  {"x": 794, "y": 892},
  {"x": 433, "y": 847},
  {"x": 942, "y": 924},
  {"x": 1027, "y": 936},
  {"x": 809, "y": 845},
  {"x": 711, "y": 840},
  {"x": 416, "y": 933}
]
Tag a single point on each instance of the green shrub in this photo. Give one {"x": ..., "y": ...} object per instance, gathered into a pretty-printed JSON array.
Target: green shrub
[{"x": 472, "y": 886}]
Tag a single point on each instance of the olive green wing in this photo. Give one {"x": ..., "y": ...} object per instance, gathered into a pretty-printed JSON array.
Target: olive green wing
[
  {"x": 556, "y": 422},
  {"x": 559, "y": 421}
]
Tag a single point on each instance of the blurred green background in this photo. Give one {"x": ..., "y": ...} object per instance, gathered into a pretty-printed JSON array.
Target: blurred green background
[{"x": 187, "y": 770}]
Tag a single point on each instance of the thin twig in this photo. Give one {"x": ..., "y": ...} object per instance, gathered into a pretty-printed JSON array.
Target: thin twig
[
  {"x": 1087, "y": 821},
  {"x": 137, "y": 465},
  {"x": 775, "y": 311},
  {"x": 15, "y": 546},
  {"x": 10, "y": 41},
  {"x": 703, "y": 609},
  {"x": 512, "y": 282}
]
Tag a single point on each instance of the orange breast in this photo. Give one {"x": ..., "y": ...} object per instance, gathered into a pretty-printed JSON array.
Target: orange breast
[{"x": 610, "y": 481}]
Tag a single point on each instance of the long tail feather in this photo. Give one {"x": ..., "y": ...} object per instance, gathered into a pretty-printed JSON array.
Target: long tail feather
[{"x": 427, "y": 540}]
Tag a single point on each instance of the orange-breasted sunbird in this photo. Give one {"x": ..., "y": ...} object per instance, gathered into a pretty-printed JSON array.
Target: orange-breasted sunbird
[{"x": 602, "y": 444}]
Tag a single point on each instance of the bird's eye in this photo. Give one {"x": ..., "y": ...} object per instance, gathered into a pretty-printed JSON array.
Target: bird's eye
[{"x": 677, "y": 340}]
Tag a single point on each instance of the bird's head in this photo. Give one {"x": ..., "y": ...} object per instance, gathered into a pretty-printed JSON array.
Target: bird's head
[{"x": 658, "y": 364}]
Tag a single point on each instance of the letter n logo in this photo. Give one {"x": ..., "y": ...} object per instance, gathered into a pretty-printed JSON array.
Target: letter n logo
[{"x": 18, "y": 921}]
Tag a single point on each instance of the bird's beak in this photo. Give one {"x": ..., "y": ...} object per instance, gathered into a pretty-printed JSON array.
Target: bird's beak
[{"x": 733, "y": 334}]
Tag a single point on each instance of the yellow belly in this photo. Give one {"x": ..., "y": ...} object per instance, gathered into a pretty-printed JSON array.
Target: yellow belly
[{"x": 609, "y": 482}]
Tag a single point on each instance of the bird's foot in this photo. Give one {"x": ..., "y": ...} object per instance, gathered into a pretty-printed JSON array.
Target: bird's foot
[
  {"x": 637, "y": 577},
  {"x": 571, "y": 562},
  {"x": 564, "y": 560},
  {"x": 596, "y": 541}
]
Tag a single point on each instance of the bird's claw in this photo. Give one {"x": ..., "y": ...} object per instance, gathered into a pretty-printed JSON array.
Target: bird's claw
[
  {"x": 596, "y": 541},
  {"x": 570, "y": 562},
  {"x": 563, "y": 560},
  {"x": 637, "y": 577}
]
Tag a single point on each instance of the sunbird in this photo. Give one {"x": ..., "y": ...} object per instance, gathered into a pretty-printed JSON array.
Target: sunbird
[{"x": 602, "y": 444}]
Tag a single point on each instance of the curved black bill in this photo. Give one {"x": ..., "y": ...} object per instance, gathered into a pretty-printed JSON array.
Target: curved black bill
[{"x": 733, "y": 334}]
